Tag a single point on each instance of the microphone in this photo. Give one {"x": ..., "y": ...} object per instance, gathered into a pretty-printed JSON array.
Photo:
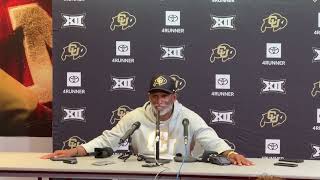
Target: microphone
[
  {"x": 185, "y": 123},
  {"x": 158, "y": 136},
  {"x": 103, "y": 152},
  {"x": 134, "y": 127},
  {"x": 179, "y": 158},
  {"x": 207, "y": 154},
  {"x": 215, "y": 158}
]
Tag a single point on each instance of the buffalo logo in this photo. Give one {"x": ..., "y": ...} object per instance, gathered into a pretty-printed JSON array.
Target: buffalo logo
[
  {"x": 222, "y": 22},
  {"x": 232, "y": 146},
  {"x": 316, "y": 153},
  {"x": 179, "y": 82},
  {"x": 223, "y": 52},
  {"x": 275, "y": 86},
  {"x": 160, "y": 81},
  {"x": 316, "y": 51},
  {"x": 74, "y": 50},
  {"x": 275, "y": 22},
  {"x": 72, "y": 142},
  {"x": 315, "y": 89},
  {"x": 123, "y": 20},
  {"x": 274, "y": 116},
  {"x": 119, "y": 113}
]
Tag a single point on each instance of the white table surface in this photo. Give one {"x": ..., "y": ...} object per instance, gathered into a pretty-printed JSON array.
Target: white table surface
[{"x": 30, "y": 164}]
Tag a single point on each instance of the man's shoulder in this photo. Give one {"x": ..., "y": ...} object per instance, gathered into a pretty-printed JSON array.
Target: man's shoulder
[
  {"x": 188, "y": 112},
  {"x": 136, "y": 111}
]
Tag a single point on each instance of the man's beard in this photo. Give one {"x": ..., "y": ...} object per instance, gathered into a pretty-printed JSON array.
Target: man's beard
[{"x": 162, "y": 111}]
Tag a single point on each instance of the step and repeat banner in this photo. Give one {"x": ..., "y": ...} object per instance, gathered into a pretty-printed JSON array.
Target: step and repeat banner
[{"x": 249, "y": 68}]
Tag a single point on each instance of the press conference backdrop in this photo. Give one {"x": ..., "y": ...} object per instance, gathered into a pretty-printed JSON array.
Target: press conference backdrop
[{"x": 249, "y": 68}]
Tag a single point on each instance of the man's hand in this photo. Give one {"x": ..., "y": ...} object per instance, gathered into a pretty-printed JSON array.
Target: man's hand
[
  {"x": 77, "y": 151},
  {"x": 238, "y": 159},
  {"x": 60, "y": 153}
]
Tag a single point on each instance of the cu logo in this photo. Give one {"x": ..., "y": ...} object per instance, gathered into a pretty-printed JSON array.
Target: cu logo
[
  {"x": 74, "y": 79},
  {"x": 123, "y": 48},
  {"x": 273, "y": 50},
  {"x": 273, "y": 146},
  {"x": 223, "y": 81},
  {"x": 173, "y": 18}
]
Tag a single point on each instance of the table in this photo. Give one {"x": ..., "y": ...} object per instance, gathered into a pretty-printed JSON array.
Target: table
[{"x": 30, "y": 165}]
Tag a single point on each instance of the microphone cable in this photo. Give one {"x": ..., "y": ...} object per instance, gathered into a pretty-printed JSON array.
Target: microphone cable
[
  {"x": 155, "y": 154},
  {"x": 164, "y": 169},
  {"x": 185, "y": 155},
  {"x": 157, "y": 140}
]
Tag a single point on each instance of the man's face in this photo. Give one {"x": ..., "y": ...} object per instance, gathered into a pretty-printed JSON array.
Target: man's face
[{"x": 162, "y": 102}]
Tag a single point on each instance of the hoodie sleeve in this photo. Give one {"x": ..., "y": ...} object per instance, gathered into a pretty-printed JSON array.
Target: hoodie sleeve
[
  {"x": 207, "y": 137},
  {"x": 110, "y": 138}
]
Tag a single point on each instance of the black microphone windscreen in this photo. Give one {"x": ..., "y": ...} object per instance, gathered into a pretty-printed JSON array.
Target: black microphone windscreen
[
  {"x": 185, "y": 122},
  {"x": 103, "y": 152},
  {"x": 137, "y": 124},
  {"x": 185, "y": 159},
  {"x": 109, "y": 150},
  {"x": 206, "y": 155}
]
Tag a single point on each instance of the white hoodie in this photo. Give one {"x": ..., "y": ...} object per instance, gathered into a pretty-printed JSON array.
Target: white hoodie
[{"x": 201, "y": 136}]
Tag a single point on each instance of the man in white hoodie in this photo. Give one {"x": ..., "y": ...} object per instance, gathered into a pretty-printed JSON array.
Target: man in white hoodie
[{"x": 162, "y": 101}]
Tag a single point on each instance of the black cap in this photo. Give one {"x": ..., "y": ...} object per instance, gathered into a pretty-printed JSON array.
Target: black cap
[{"x": 163, "y": 83}]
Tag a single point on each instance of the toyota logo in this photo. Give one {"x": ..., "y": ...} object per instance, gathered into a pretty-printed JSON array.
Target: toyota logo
[
  {"x": 123, "y": 48},
  {"x": 74, "y": 79},
  {"x": 223, "y": 81},
  {"x": 173, "y": 18},
  {"x": 273, "y": 50},
  {"x": 273, "y": 146}
]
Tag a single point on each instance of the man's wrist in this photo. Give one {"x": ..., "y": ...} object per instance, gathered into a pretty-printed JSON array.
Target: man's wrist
[
  {"x": 230, "y": 153},
  {"x": 77, "y": 151},
  {"x": 227, "y": 153},
  {"x": 80, "y": 151}
]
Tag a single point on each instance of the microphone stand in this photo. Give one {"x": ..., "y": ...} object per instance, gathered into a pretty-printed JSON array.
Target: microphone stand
[
  {"x": 126, "y": 155},
  {"x": 158, "y": 136},
  {"x": 157, "y": 159}
]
